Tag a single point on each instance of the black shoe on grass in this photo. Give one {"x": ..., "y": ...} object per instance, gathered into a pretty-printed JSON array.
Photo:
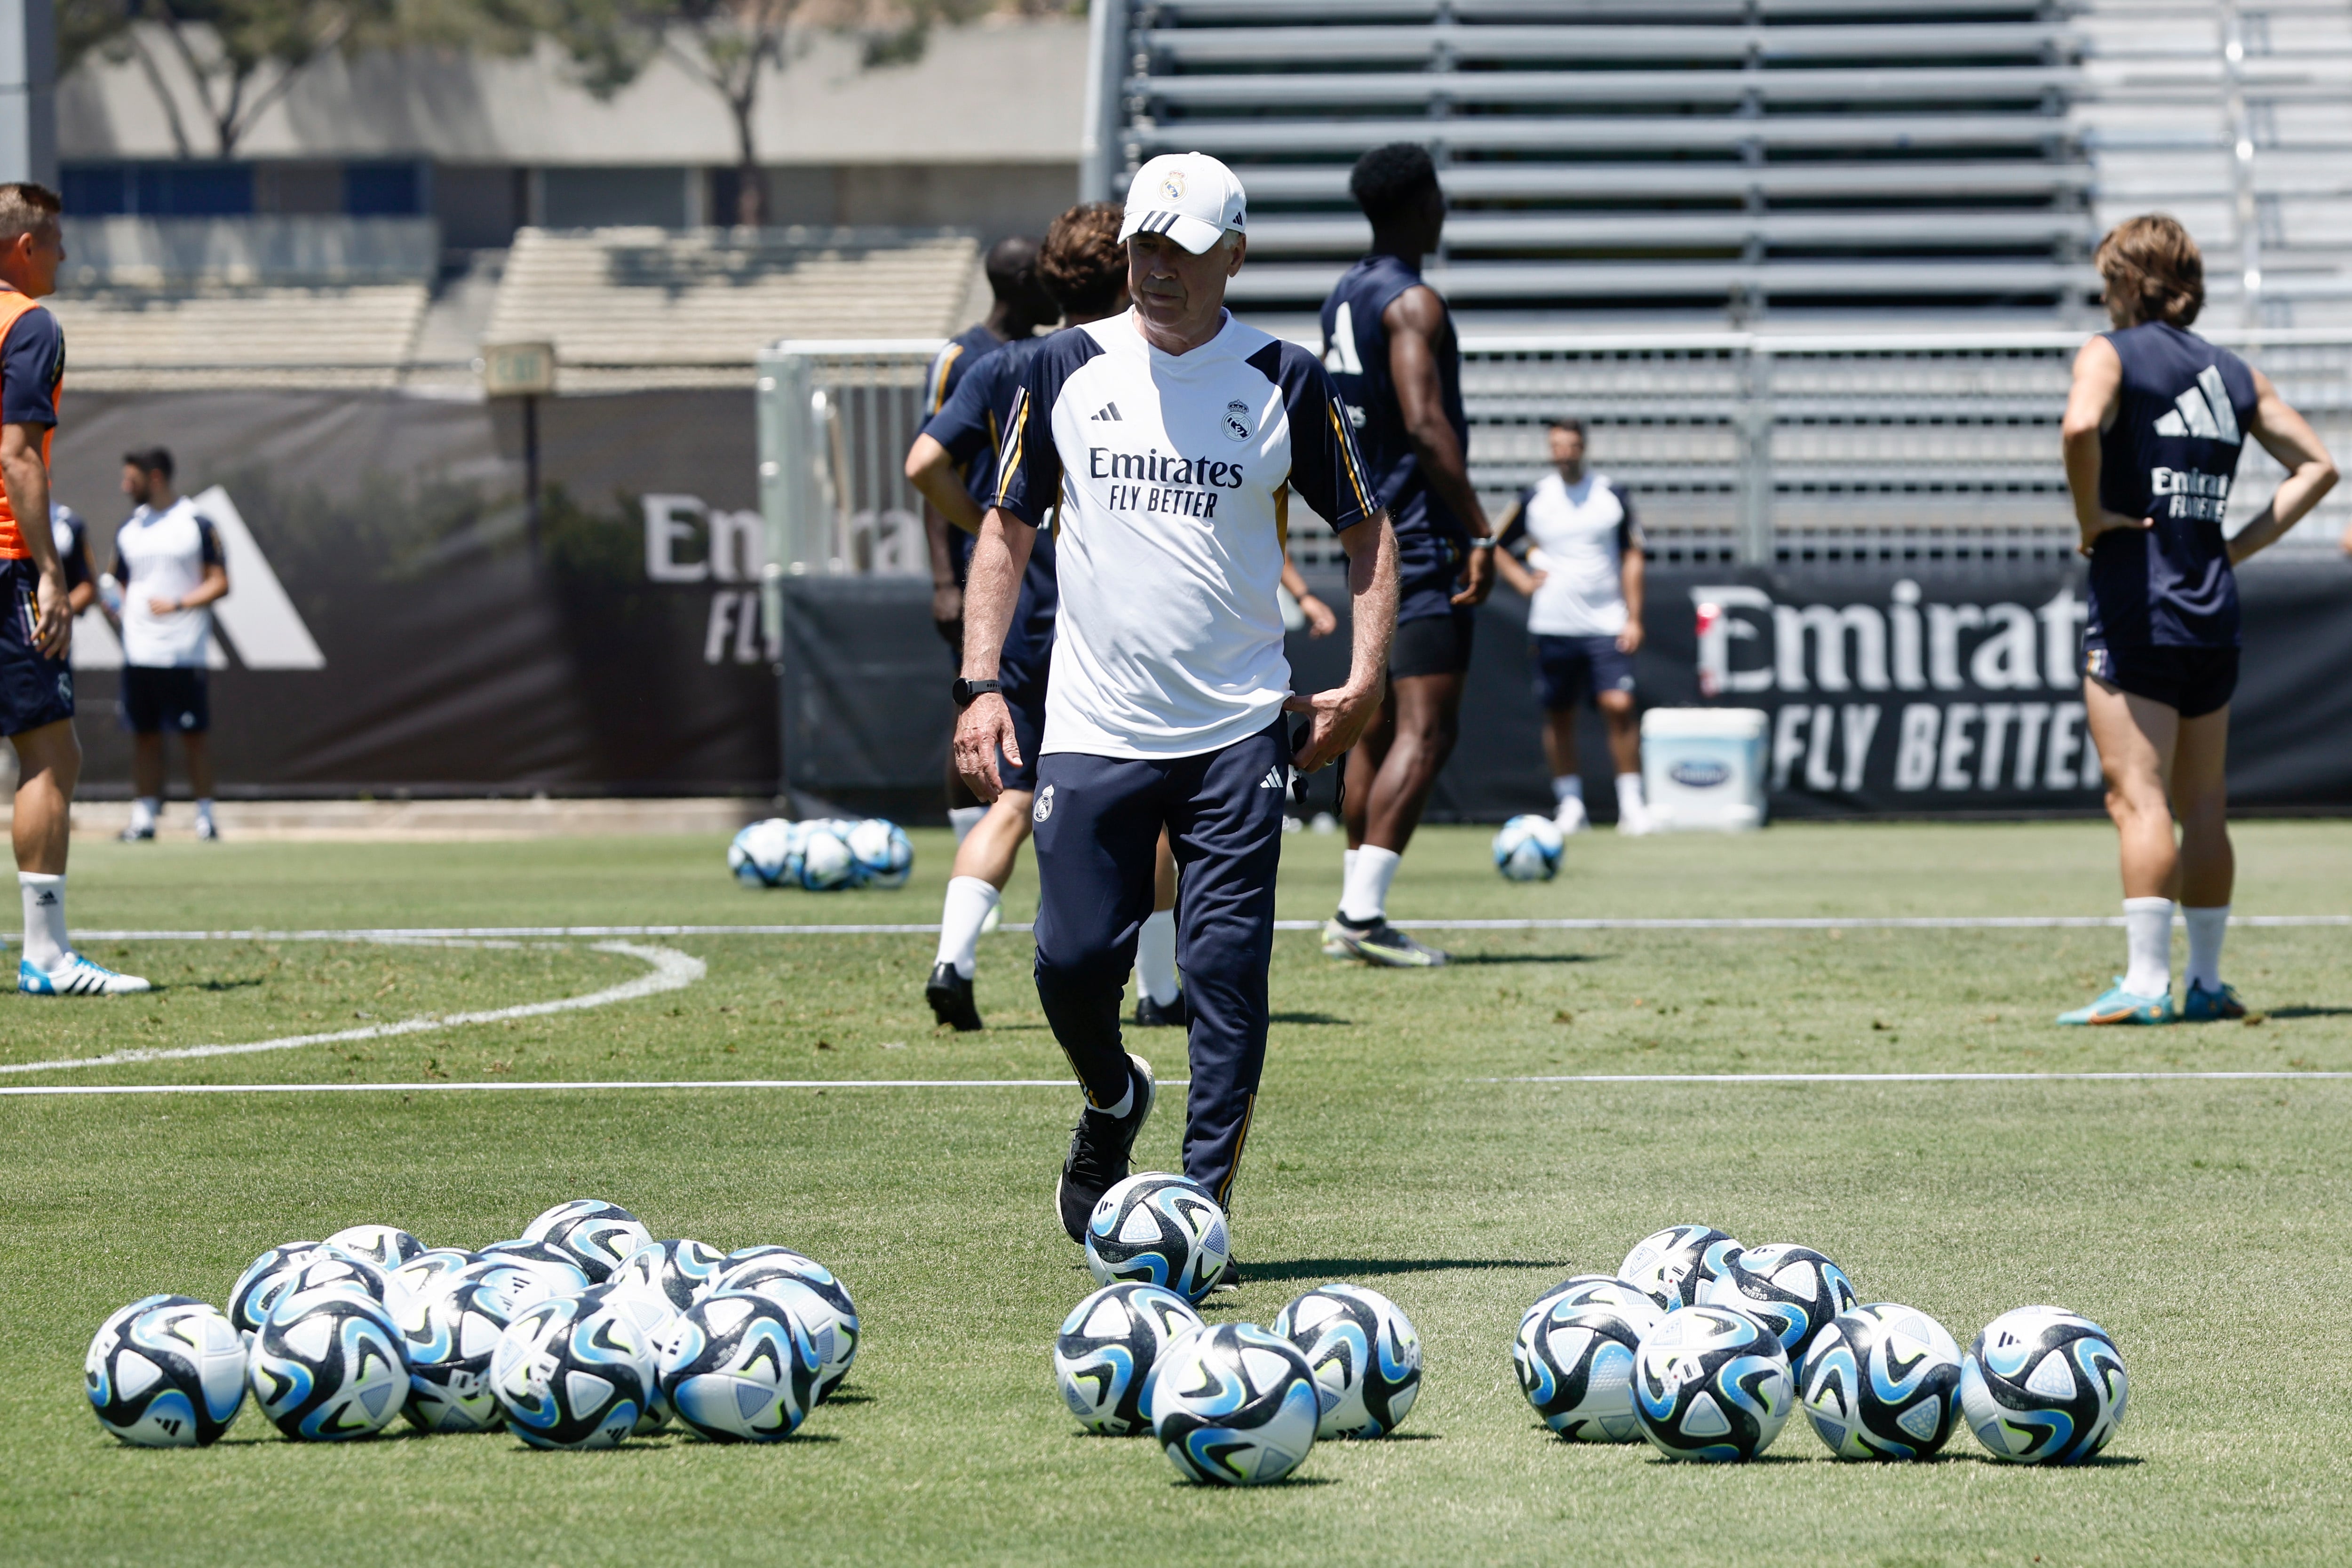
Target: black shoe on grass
[
  {"x": 1231, "y": 1280},
  {"x": 949, "y": 995},
  {"x": 1100, "y": 1146},
  {"x": 1150, "y": 1015}
]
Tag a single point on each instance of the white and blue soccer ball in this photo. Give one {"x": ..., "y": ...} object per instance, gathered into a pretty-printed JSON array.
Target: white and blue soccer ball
[
  {"x": 740, "y": 1368},
  {"x": 757, "y": 857},
  {"x": 655, "y": 1319},
  {"x": 1234, "y": 1405},
  {"x": 682, "y": 1271},
  {"x": 884, "y": 853},
  {"x": 1882, "y": 1381},
  {"x": 1677, "y": 1264},
  {"x": 1711, "y": 1383},
  {"x": 1574, "y": 1355},
  {"x": 166, "y": 1372},
  {"x": 1159, "y": 1229},
  {"x": 589, "y": 1234},
  {"x": 449, "y": 1335},
  {"x": 1791, "y": 1289},
  {"x": 434, "y": 1270},
  {"x": 1104, "y": 1356},
  {"x": 385, "y": 1246},
  {"x": 816, "y": 1296},
  {"x": 1528, "y": 847},
  {"x": 1364, "y": 1352},
  {"x": 824, "y": 860},
  {"x": 563, "y": 1273},
  {"x": 331, "y": 1266},
  {"x": 330, "y": 1364},
  {"x": 264, "y": 1280},
  {"x": 573, "y": 1374},
  {"x": 2042, "y": 1385}
]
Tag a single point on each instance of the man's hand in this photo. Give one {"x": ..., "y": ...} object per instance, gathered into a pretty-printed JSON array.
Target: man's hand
[
  {"x": 1320, "y": 620},
  {"x": 162, "y": 607},
  {"x": 1339, "y": 718},
  {"x": 1477, "y": 578},
  {"x": 1630, "y": 639},
  {"x": 2107, "y": 522},
  {"x": 53, "y": 622},
  {"x": 947, "y": 613},
  {"x": 984, "y": 727}
]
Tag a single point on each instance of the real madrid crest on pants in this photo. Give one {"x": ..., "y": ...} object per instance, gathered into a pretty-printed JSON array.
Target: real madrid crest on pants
[{"x": 1044, "y": 807}]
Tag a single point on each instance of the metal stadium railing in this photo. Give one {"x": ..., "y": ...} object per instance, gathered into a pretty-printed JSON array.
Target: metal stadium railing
[{"x": 1749, "y": 448}]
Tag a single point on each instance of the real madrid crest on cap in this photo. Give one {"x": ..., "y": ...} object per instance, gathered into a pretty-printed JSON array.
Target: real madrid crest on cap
[{"x": 1190, "y": 197}]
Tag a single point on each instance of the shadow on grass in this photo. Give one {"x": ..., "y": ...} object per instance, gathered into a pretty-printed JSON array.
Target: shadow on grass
[
  {"x": 2307, "y": 1012},
  {"x": 1256, "y": 1269},
  {"x": 221, "y": 984},
  {"x": 1308, "y": 1018},
  {"x": 1184, "y": 1485},
  {"x": 1461, "y": 959}
]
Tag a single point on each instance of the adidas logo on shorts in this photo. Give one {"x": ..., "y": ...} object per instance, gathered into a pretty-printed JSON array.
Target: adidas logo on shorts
[{"x": 1273, "y": 780}]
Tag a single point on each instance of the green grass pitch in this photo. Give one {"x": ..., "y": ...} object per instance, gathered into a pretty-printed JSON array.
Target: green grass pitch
[{"x": 2202, "y": 1222}]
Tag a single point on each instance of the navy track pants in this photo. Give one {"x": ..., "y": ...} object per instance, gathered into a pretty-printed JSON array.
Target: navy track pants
[{"x": 1097, "y": 831}]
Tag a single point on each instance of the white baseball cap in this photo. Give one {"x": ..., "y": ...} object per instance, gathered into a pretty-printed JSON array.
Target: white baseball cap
[{"x": 1189, "y": 196}]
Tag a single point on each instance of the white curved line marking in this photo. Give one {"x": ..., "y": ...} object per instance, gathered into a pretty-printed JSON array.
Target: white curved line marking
[{"x": 671, "y": 970}]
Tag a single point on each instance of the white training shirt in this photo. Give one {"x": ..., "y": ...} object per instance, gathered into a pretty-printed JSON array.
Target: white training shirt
[
  {"x": 162, "y": 555},
  {"x": 1578, "y": 535},
  {"x": 1174, "y": 474}
]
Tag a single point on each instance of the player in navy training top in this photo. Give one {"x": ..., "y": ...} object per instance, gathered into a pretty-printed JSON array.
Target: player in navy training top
[
  {"x": 1020, "y": 307},
  {"x": 2153, "y": 430},
  {"x": 1388, "y": 342}
]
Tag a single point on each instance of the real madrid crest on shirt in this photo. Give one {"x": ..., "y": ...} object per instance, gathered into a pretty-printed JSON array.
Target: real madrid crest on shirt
[{"x": 1237, "y": 420}]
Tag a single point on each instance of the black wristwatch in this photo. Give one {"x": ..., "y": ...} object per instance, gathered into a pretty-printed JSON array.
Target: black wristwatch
[{"x": 965, "y": 692}]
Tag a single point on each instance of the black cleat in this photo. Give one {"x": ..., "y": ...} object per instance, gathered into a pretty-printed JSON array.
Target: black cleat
[
  {"x": 1150, "y": 1015},
  {"x": 1231, "y": 1280},
  {"x": 949, "y": 995},
  {"x": 1100, "y": 1146}
]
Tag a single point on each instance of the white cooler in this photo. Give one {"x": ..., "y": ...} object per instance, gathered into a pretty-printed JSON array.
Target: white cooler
[{"x": 1703, "y": 768}]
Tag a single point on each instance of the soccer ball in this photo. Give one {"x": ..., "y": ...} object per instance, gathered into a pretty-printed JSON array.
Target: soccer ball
[
  {"x": 1575, "y": 1354},
  {"x": 1159, "y": 1229},
  {"x": 450, "y": 1335},
  {"x": 589, "y": 1234},
  {"x": 1527, "y": 849},
  {"x": 1882, "y": 1381},
  {"x": 758, "y": 854},
  {"x": 2042, "y": 1385},
  {"x": 572, "y": 1374},
  {"x": 166, "y": 1372},
  {"x": 680, "y": 1271},
  {"x": 1593, "y": 1290},
  {"x": 263, "y": 1281},
  {"x": 385, "y": 1246},
  {"x": 816, "y": 1296},
  {"x": 518, "y": 1282},
  {"x": 1711, "y": 1382},
  {"x": 885, "y": 856},
  {"x": 331, "y": 1267},
  {"x": 1677, "y": 1264},
  {"x": 655, "y": 1318},
  {"x": 1108, "y": 1347},
  {"x": 1365, "y": 1356},
  {"x": 330, "y": 1364},
  {"x": 1234, "y": 1405},
  {"x": 1792, "y": 1291},
  {"x": 740, "y": 1368},
  {"x": 432, "y": 1269},
  {"x": 563, "y": 1275},
  {"x": 825, "y": 861}
]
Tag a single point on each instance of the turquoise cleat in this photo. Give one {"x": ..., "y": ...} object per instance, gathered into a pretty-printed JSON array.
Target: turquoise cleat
[
  {"x": 78, "y": 977},
  {"x": 2205, "y": 1006},
  {"x": 2122, "y": 1006}
]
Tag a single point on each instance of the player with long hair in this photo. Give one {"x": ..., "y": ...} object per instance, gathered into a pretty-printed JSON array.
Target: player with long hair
[{"x": 2153, "y": 429}]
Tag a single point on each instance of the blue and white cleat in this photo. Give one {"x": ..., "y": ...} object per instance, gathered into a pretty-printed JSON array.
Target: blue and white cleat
[
  {"x": 79, "y": 977},
  {"x": 2122, "y": 1006},
  {"x": 2205, "y": 1006}
]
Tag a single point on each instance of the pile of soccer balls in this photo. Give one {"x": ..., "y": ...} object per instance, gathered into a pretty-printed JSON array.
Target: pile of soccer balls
[
  {"x": 1527, "y": 849},
  {"x": 581, "y": 1333},
  {"x": 822, "y": 855},
  {"x": 1237, "y": 1404},
  {"x": 1705, "y": 1347}
]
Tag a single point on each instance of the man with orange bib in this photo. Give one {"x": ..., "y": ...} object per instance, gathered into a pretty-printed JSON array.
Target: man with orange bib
[{"x": 36, "y": 699}]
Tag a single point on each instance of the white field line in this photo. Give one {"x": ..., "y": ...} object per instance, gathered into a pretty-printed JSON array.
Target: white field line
[
  {"x": 1596, "y": 922},
  {"x": 670, "y": 970},
  {"x": 1899, "y": 1077}
]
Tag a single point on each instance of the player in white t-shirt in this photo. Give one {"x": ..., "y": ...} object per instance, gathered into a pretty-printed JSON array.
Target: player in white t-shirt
[
  {"x": 167, "y": 556},
  {"x": 1582, "y": 578},
  {"x": 1172, "y": 437}
]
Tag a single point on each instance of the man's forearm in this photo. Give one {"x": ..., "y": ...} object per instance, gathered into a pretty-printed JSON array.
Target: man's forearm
[
  {"x": 1372, "y": 585},
  {"x": 27, "y": 481},
  {"x": 1448, "y": 472},
  {"x": 992, "y": 590},
  {"x": 2083, "y": 464},
  {"x": 1631, "y": 581},
  {"x": 935, "y": 539}
]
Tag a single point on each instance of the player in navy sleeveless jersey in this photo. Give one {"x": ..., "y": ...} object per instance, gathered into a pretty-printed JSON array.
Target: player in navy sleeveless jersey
[
  {"x": 1389, "y": 343},
  {"x": 1021, "y": 307},
  {"x": 2153, "y": 430}
]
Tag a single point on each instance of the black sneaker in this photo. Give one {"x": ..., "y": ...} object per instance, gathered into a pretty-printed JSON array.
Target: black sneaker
[
  {"x": 949, "y": 995},
  {"x": 1231, "y": 1280},
  {"x": 1150, "y": 1015},
  {"x": 1100, "y": 1146}
]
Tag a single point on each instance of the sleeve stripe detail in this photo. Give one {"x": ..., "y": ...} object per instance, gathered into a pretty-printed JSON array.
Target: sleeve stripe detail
[
  {"x": 1016, "y": 422},
  {"x": 947, "y": 359},
  {"x": 1347, "y": 459}
]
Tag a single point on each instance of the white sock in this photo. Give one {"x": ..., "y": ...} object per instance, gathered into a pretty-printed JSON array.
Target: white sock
[
  {"x": 1155, "y": 957},
  {"x": 2207, "y": 927},
  {"x": 144, "y": 810},
  {"x": 1126, "y": 1101},
  {"x": 967, "y": 904},
  {"x": 205, "y": 809},
  {"x": 1568, "y": 786},
  {"x": 964, "y": 818},
  {"x": 1366, "y": 896},
  {"x": 2147, "y": 932},
  {"x": 45, "y": 920},
  {"x": 1631, "y": 807}
]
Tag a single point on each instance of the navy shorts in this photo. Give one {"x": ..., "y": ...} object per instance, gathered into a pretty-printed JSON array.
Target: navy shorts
[
  {"x": 156, "y": 700},
  {"x": 1432, "y": 644},
  {"x": 1569, "y": 671},
  {"x": 2193, "y": 681},
  {"x": 34, "y": 689},
  {"x": 1024, "y": 694}
]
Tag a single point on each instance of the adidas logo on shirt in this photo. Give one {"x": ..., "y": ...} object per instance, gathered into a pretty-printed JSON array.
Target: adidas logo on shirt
[
  {"x": 1108, "y": 411},
  {"x": 2202, "y": 410}
]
